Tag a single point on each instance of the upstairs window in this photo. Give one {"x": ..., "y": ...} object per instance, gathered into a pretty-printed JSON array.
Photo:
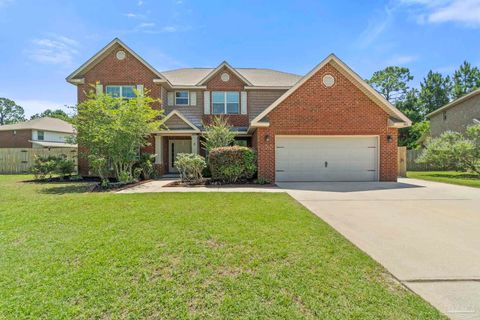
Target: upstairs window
[
  {"x": 181, "y": 98},
  {"x": 126, "y": 92},
  {"x": 225, "y": 102},
  {"x": 40, "y": 135}
]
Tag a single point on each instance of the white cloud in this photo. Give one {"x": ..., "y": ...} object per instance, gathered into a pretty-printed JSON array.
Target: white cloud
[
  {"x": 169, "y": 29},
  {"x": 466, "y": 12},
  {"x": 400, "y": 60},
  {"x": 4, "y": 3},
  {"x": 55, "y": 49},
  {"x": 376, "y": 27},
  {"x": 32, "y": 106},
  {"x": 140, "y": 3},
  {"x": 146, "y": 25}
]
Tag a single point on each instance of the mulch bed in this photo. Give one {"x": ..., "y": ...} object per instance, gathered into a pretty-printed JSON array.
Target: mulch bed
[
  {"x": 210, "y": 183},
  {"x": 113, "y": 186}
]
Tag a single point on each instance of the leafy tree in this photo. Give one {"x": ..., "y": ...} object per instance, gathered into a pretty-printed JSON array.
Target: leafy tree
[
  {"x": 465, "y": 79},
  {"x": 218, "y": 134},
  {"x": 10, "y": 112},
  {"x": 408, "y": 137},
  {"x": 391, "y": 82},
  {"x": 409, "y": 105},
  {"x": 57, "y": 113},
  {"x": 453, "y": 150},
  {"x": 434, "y": 93},
  {"x": 112, "y": 131}
]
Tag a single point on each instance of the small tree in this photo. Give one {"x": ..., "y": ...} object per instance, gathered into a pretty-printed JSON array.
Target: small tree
[
  {"x": 112, "y": 131},
  {"x": 218, "y": 134},
  {"x": 452, "y": 150}
]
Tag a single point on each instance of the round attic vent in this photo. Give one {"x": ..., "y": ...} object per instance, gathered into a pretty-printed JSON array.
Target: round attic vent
[
  {"x": 328, "y": 80},
  {"x": 225, "y": 77},
  {"x": 121, "y": 55}
]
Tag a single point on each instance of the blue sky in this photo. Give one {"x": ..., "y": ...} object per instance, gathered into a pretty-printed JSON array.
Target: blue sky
[{"x": 43, "y": 41}]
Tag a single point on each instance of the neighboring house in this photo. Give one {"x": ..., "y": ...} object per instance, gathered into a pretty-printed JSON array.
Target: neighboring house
[
  {"x": 328, "y": 125},
  {"x": 457, "y": 115},
  {"x": 37, "y": 133}
]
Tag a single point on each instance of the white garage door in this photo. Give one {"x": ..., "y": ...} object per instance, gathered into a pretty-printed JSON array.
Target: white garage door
[{"x": 307, "y": 158}]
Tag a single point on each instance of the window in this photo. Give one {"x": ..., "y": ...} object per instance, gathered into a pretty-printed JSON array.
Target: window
[
  {"x": 181, "y": 98},
  {"x": 225, "y": 102},
  {"x": 444, "y": 115},
  {"x": 40, "y": 135},
  {"x": 126, "y": 92}
]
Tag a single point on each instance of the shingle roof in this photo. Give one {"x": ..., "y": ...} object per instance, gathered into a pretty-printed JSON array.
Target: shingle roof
[
  {"x": 46, "y": 124},
  {"x": 258, "y": 77}
]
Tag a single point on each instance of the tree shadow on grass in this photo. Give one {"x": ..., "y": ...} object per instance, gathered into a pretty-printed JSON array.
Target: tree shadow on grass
[
  {"x": 55, "y": 188},
  {"x": 466, "y": 176}
]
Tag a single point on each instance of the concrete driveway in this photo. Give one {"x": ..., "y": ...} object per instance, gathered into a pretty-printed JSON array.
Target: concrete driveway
[{"x": 426, "y": 234}]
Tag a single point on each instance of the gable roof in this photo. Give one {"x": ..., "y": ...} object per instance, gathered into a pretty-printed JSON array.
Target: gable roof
[
  {"x": 222, "y": 65},
  {"x": 257, "y": 76},
  {"x": 455, "y": 102},
  {"x": 116, "y": 41},
  {"x": 45, "y": 124},
  {"x": 182, "y": 117},
  {"x": 357, "y": 80}
]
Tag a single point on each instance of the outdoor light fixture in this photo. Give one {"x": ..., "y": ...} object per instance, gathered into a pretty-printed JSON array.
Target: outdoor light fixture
[
  {"x": 389, "y": 138},
  {"x": 267, "y": 138}
]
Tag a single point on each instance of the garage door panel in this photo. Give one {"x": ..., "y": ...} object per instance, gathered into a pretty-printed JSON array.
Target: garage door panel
[{"x": 326, "y": 158}]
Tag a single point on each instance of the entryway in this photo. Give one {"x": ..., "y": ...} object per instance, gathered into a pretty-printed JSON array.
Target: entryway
[{"x": 174, "y": 148}]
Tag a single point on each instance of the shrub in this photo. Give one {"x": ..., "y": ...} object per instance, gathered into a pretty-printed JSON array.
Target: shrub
[
  {"x": 190, "y": 167},
  {"x": 218, "y": 134},
  {"x": 44, "y": 166},
  {"x": 49, "y": 165},
  {"x": 453, "y": 150},
  {"x": 231, "y": 164},
  {"x": 146, "y": 164},
  {"x": 64, "y": 167}
]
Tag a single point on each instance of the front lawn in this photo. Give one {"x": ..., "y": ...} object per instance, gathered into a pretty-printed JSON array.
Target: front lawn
[
  {"x": 453, "y": 177},
  {"x": 69, "y": 254}
]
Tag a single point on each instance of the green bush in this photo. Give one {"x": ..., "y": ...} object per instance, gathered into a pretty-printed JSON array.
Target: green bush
[
  {"x": 232, "y": 164},
  {"x": 190, "y": 167},
  {"x": 146, "y": 164},
  {"x": 49, "y": 165}
]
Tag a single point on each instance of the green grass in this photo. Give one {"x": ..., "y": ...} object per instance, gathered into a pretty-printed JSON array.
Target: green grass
[
  {"x": 453, "y": 177},
  {"x": 69, "y": 254}
]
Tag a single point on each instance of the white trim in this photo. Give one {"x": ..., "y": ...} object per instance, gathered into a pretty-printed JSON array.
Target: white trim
[
  {"x": 224, "y": 64},
  {"x": 454, "y": 102},
  {"x": 381, "y": 101},
  {"x": 377, "y": 172},
  {"x": 182, "y": 104},
  {"x": 121, "y": 86},
  {"x": 105, "y": 49},
  {"x": 159, "y": 149},
  {"x": 267, "y": 87},
  {"x": 225, "y": 103},
  {"x": 181, "y": 116}
]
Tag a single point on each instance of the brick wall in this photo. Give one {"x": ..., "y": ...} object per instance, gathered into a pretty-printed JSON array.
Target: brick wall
[
  {"x": 19, "y": 139},
  {"x": 111, "y": 71},
  {"x": 314, "y": 109}
]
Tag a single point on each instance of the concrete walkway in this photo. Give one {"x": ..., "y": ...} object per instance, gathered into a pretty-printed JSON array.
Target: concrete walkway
[{"x": 426, "y": 234}]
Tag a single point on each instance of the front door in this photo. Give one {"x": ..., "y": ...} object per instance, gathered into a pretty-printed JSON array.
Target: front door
[{"x": 176, "y": 147}]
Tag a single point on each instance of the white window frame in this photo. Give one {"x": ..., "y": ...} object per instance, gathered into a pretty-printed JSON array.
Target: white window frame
[
  {"x": 225, "y": 102},
  {"x": 121, "y": 89},
  {"x": 188, "y": 98}
]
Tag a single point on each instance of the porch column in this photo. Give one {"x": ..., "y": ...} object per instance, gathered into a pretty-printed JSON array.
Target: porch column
[
  {"x": 195, "y": 144},
  {"x": 158, "y": 149}
]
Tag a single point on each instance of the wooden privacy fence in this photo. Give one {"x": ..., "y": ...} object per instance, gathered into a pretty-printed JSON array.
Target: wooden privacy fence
[
  {"x": 20, "y": 160},
  {"x": 412, "y": 165},
  {"x": 402, "y": 161}
]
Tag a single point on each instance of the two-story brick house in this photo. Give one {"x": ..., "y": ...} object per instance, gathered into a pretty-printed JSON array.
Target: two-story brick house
[{"x": 328, "y": 125}]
